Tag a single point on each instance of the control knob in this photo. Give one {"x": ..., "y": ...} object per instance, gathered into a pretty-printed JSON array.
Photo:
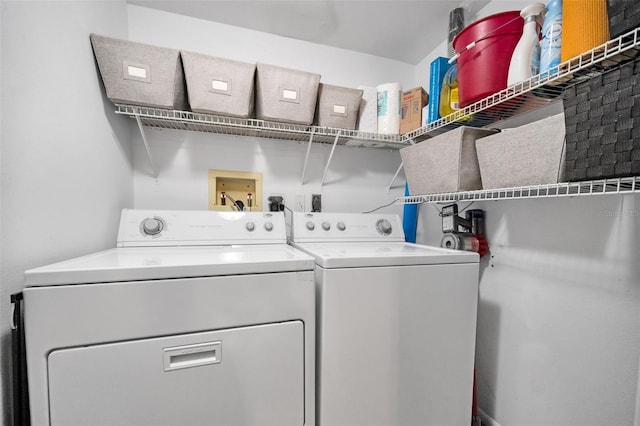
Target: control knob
[
  {"x": 341, "y": 226},
  {"x": 152, "y": 226},
  {"x": 311, "y": 226},
  {"x": 326, "y": 226},
  {"x": 384, "y": 227},
  {"x": 268, "y": 226},
  {"x": 250, "y": 226}
]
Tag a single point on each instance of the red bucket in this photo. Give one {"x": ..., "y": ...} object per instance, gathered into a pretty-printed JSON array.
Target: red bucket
[{"x": 483, "y": 68}]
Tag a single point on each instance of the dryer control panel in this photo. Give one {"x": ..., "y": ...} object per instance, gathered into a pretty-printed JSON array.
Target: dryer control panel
[
  {"x": 199, "y": 228},
  {"x": 320, "y": 227}
]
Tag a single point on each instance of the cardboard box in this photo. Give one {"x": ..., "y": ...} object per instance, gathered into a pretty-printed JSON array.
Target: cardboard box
[
  {"x": 437, "y": 69},
  {"x": 411, "y": 105}
]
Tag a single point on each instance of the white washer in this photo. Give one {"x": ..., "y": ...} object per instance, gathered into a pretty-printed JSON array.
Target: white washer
[
  {"x": 396, "y": 323},
  {"x": 196, "y": 318}
]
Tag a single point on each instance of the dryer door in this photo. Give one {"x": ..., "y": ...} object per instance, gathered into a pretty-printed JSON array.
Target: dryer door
[{"x": 242, "y": 376}]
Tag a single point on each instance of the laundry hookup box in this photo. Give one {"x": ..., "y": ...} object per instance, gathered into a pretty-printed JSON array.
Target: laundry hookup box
[
  {"x": 286, "y": 95},
  {"x": 140, "y": 74},
  {"x": 338, "y": 106},
  {"x": 444, "y": 163},
  {"x": 219, "y": 86}
]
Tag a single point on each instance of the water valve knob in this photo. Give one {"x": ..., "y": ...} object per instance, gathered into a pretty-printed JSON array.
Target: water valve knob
[
  {"x": 152, "y": 226},
  {"x": 383, "y": 226}
]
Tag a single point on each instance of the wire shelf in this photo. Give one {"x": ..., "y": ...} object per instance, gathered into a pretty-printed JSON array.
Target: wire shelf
[
  {"x": 625, "y": 185},
  {"x": 538, "y": 91},
  {"x": 198, "y": 122}
]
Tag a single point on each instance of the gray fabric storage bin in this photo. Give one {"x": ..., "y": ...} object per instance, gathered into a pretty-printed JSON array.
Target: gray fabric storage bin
[
  {"x": 140, "y": 74},
  {"x": 444, "y": 163},
  {"x": 532, "y": 154},
  {"x": 287, "y": 95},
  {"x": 219, "y": 86},
  {"x": 338, "y": 106}
]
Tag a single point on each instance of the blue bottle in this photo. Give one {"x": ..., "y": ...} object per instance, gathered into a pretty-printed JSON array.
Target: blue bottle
[{"x": 551, "y": 36}]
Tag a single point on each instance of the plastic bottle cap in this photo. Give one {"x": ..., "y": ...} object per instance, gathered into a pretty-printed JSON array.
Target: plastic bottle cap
[{"x": 533, "y": 9}]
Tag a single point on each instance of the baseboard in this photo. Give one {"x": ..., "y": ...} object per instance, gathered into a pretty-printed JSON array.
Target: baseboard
[{"x": 486, "y": 419}]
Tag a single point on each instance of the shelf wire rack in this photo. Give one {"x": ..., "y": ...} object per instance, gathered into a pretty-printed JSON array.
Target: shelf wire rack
[
  {"x": 624, "y": 185},
  {"x": 527, "y": 95},
  {"x": 200, "y": 122},
  {"x": 537, "y": 91}
]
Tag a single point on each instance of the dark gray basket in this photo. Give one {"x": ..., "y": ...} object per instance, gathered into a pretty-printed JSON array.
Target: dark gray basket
[
  {"x": 219, "y": 86},
  {"x": 338, "y": 106},
  {"x": 624, "y": 16},
  {"x": 140, "y": 74},
  {"x": 602, "y": 117},
  {"x": 286, "y": 95}
]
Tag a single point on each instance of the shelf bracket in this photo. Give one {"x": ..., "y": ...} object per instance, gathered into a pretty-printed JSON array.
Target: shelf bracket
[
  {"x": 333, "y": 148},
  {"x": 393, "y": 179},
  {"x": 154, "y": 171},
  {"x": 306, "y": 158}
]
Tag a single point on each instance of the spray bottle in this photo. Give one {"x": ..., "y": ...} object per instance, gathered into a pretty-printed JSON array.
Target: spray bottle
[
  {"x": 525, "y": 61},
  {"x": 550, "y": 46}
]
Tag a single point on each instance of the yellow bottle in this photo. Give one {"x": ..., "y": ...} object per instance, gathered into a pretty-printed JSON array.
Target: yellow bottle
[{"x": 449, "y": 102}]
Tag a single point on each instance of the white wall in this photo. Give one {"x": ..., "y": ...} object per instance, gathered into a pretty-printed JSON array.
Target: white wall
[
  {"x": 336, "y": 66},
  {"x": 357, "y": 179},
  {"x": 558, "y": 321},
  {"x": 66, "y": 160}
]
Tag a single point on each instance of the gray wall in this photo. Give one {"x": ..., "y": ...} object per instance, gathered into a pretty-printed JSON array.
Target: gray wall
[{"x": 66, "y": 158}]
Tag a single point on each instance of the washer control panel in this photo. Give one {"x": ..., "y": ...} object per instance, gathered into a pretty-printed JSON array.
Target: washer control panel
[
  {"x": 184, "y": 227},
  {"x": 318, "y": 227}
]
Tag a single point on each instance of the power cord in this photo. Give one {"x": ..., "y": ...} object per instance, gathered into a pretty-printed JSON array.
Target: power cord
[
  {"x": 237, "y": 204},
  {"x": 381, "y": 207}
]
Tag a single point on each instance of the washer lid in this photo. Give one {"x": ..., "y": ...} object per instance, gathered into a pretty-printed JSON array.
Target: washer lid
[
  {"x": 153, "y": 263},
  {"x": 359, "y": 255}
]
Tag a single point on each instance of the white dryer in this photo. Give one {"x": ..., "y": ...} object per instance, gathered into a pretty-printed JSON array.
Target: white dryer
[
  {"x": 396, "y": 323},
  {"x": 196, "y": 318}
]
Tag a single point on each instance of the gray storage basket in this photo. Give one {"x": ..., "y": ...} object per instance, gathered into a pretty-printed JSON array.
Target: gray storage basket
[
  {"x": 287, "y": 95},
  {"x": 444, "y": 163},
  {"x": 219, "y": 86},
  {"x": 140, "y": 74},
  {"x": 532, "y": 154},
  {"x": 338, "y": 106}
]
